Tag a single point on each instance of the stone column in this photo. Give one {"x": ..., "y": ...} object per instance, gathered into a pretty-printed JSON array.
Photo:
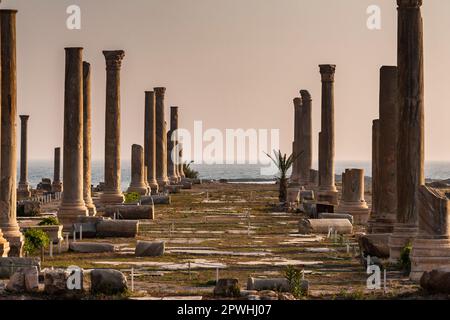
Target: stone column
[
  {"x": 431, "y": 248},
  {"x": 150, "y": 140},
  {"x": 8, "y": 171},
  {"x": 112, "y": 193},
  {"x": 137, "y": 171},
  {"x": 72, "y": 204},
  {"x": 375, "y": 176},
  {"x": 305, "y": 137},
  {"x": 24, "y": 187},
  {"x": 180, "y": 165},
  {"x": 353, "y": 201},
  {"x": 87, "y": 174},
  {"x": 327, "y": 188},
  {"x": 295, "y": 179},
  {"x": 410, "y": 162},
  {"x": 172, "y": 158},
  {"x": 57, "y": 184},
  {"x": 161, "y": 140},
  {"x": 4, "y": 246},
  {"x": 387, "y": 193}
]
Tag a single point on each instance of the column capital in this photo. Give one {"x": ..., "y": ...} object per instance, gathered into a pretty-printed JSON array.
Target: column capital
[
  {"x": 160, "y": 91},
  {"x": 407, "y": 4},
  {"x": 327, "y": 71},
  {"x": 297, "y": 102},
  {"x": 114, "y": 59},
  {"x": 8, "y": 11},
  {"x": 174, "y": 108},
  {"x": 306, "y": 96},
  {"x": 24, "y": 117}
]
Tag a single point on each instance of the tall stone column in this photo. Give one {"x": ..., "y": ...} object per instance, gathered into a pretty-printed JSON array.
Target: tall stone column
[
  {"x": 8, "y": 171},
  {"x": 150, "y": 140},
  {"x": 180, "y": 165},
  {"x": 24, "y": 187},
  {"x": 137, "y": 171},
  {"x": 375, "y": 176},
  {"x": 410, "y": 147},
  {"x": 72, "y": 204},
  {"x": 305, "y": 137},
  {"x": 57, "y": 184},
  {"x": 112, "y": 193},
  {"x": 387, "y": 193},
  {"x": 327, "y": 188},
  {"x": 87, "y": 123},
  {"x": 161, "y": 140},
  {"x": 353, "y": 201},
  {"x": 172, "y": 157},
  {"x": 295, "y": 179}
]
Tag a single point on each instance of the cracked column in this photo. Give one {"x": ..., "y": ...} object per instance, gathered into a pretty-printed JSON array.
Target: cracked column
[
  {"x": 137, "y": 171},
  {"x": 8, "y": 171},
  {"x": 410, "y": 147},
  {"x": 87, "y": 173},
  {"x": 112, "y": 193},
  {"x": 327, "y": 188},
  {"x": 295, "y": 179},
  {"x": 150, "y": 141},
  {"x": 305, "y": 136},
  {"x": 57, "y": 184},
  {"x": 72, "y": 203},
  {"x": 23, "y": 191},
  {"x": 161, "y": 140}
]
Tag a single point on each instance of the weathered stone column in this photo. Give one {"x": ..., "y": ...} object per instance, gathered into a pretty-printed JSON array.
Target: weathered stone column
[
  {"x": 24, "y": 187},
  {"x": 161, "y": 140},
  {"x": 137, "y": 171},
  {"x": 327, "y": 188},
  {"x": 87, "y": 173},
  {"x": 72, "y": 204},
  {"x": 180, "y": 165},
  {"x": 112, "y": 193},
  {"x": 295, "y": 179},
  {"x": 375, "y": 176},
  {"x": 305, "y": 137},
  {"x": 410, "y": 147},
  {"x": 8, "y": 171},
  {"x": 353, "y": 201},
  {"x": 150, "y": 140},
  {"x": 172, "y": 158},
  {"x": 57, "y": 184},
  {"x": 431, "y": 248},
  {"x": 387, "y": 193}
]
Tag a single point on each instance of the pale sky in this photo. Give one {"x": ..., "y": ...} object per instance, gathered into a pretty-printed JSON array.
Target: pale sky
[{"x": 231, "y": 63}]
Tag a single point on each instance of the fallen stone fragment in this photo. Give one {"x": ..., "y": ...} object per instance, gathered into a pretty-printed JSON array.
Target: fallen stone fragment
[
  {"x": 91, "y": 247},
  {"x": 277, "y": 284},
  {"x": 228, "y": 288},
  {"x": 375, "y": 245},
  {"x": 326, "y": 215},
  {"x": 130, "y": 212},
  {"x": 323, "y": 226},
  {"x": 117, "y": 228},
  {"x": 155, "y": 199},
  {"x": 436, "y": 281},
  {"x": 8, "y": 266},
  {"x": 16, "y": 283},
  {"x": 108, "y": 281},
  {"x": 150, "y": 249}
]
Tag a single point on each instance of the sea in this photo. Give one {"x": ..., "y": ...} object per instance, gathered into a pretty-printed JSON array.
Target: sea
[{"x": 244, "y": 173}]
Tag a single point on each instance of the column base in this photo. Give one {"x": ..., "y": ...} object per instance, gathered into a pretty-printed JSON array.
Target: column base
[
  {"x": 359, "y": 211},
  {"x": 163, "y": 183},
  {"x": 4, "y": 246},
  {"x": 381, "y": 225},
  {"x": 68, "y": 214},
  {"x": 153, "y": 184},
  {"x": 402, "y": 235},
  {"x": 12, "y": 234},
  {"x": 327, "y": 196},
  {"x": 91, "y": 208},
  {"x": 57, "y": 186},
  {"x": 111, "y": 198},
  {"x": 142, "y": 190},
  {"x": 428, "y": 255}
]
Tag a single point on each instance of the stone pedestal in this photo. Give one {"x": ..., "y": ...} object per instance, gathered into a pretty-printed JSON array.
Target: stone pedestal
[
  {"x": 23, "y": 191},
  {"x": 137, "y": 171},
  {"x": 353, "y": 201},
  {"x": 112, "y": 193},
  {"x": 57, "y": 184},
  {"x": 72, "y": 203},
  {"x": 431, "y": 248},
  {"x": 8, "y": 171},
  {"x": 161, "y": 140},
  {"x": 87, "y": 139},
  {"x": 410, "y": 146},
  {"x": 150, "y": 141},
  {"x": 327, "y": 191}
]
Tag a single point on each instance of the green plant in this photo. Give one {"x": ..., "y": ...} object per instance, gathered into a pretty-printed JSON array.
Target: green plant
[
  {"x": 189, "y": 172},
  {"x": 295, "y": 280},
  {"x": 405, "y": 260},
  {"x": 283, "y": 163},
  {"x": 132, "y": 197},
  {"x": 49, "y": 221},
  {"x": 35, "y": 239}
]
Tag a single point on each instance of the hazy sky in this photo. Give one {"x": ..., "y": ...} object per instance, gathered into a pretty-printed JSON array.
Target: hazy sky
[{"x": 230, "y": 63}]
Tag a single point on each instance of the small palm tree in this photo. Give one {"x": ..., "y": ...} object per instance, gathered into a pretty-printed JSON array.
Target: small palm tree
[{"x": 283, "y": 163}]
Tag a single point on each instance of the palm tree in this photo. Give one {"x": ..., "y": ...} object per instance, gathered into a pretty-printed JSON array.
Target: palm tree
[{"x": 283, "y": 163}]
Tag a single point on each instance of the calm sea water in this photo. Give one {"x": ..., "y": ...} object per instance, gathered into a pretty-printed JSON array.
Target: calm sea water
[{"x": 44, "y": 169}]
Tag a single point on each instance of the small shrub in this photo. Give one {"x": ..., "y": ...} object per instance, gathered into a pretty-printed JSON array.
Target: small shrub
[
  {"x": 405, "y": 259},
  {"x": 49, "y": 221},
  {"x": 189, "y": 172},
  {"x": 132, "y": 197},
  {"x": 294, "y": 278},
  {"x": 35, "y": 239}
]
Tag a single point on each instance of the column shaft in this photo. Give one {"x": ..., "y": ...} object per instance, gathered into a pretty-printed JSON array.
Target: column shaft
[
  {"x": 137, "y": 171},
  {"x": 57, "y": 184},
  {"x": 24, "y": 187},
  {"x": 150, "y": 140},
  {"x": 161, "y": 140}
]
